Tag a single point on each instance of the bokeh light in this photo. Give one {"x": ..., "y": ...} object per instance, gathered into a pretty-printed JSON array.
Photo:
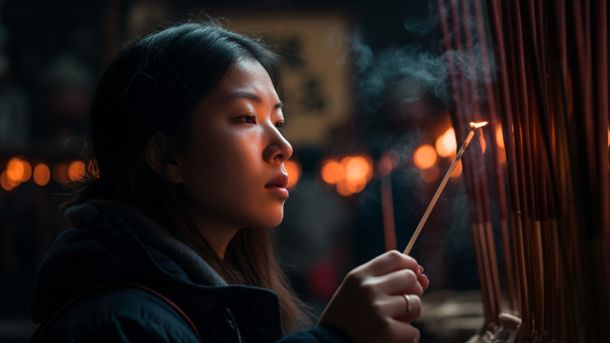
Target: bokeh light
[
  {"x": 446, "y": 144},
  {"x": 358, "y": 172},
  {"x": 424, "y": 157},
  {"x": 6, "y": 183},
  {"x": 15, "y": 169},
  {"x": 343, "y": 190},
  {"x": 350, "y": 175},
  {"x": 332, "y": 172},
  {"x": 27, "y": 172},
  {"x": 42, "y": 174},
  {"x": 293, "y": 168},
  {"x": 76, "y": 170},
  {"x": 357, "y": 168}
]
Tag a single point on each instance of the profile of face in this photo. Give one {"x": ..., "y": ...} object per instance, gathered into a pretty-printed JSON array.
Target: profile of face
[{"x": 233, "y": 166}]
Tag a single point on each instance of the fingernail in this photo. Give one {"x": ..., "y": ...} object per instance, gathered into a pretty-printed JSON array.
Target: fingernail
[{"x": 421, "y": 269}]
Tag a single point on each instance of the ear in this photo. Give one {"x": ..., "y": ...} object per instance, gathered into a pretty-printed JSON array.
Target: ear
[{"x": 161, "y": 159}]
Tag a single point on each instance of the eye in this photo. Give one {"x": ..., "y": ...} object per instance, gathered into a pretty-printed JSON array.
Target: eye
[
  {"x": 248, "y": 119},
  {"x": 281, "y": 125}
]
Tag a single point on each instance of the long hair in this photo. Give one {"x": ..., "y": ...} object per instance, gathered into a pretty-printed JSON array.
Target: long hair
[{"x": 152, "y": 86}]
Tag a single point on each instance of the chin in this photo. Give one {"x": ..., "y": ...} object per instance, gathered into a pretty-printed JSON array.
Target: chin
[{"x": 271, "y": 219}]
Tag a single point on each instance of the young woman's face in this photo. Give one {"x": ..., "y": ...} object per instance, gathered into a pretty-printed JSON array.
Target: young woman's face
[{"x": 234, "y": 164}]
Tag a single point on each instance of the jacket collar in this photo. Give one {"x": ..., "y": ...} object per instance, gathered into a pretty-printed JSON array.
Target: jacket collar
[
  {"x": 161, "y": 244},
  {"x": 112, "y": 242}
]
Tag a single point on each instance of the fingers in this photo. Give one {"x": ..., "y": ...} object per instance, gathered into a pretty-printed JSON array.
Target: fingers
[
  {"x": 414, "y": 310},
  {"x": 396, "y": 307},
  {"x": 423, "y": 281},
  {"x": 389, "y": 262},
  {"x": 370, "y": 305},
  {"x": 403, "y": 281},
  {"x": 404, "y": 332}
]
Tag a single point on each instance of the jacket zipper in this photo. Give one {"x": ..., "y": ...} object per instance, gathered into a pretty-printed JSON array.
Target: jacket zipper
[{"x": 234, "y": 323}]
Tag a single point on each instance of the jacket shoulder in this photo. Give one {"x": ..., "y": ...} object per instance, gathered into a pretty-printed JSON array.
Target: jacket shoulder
[{"x": 120, "y": 315}]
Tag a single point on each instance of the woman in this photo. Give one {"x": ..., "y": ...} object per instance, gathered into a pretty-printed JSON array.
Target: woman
[{"x": 171, "y": 239}]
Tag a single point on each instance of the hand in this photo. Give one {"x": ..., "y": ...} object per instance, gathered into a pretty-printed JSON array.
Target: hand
[{"x": 370, "y": 306}]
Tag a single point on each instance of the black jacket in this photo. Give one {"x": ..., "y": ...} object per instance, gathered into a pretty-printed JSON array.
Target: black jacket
[{"x": 113, "y": 244}]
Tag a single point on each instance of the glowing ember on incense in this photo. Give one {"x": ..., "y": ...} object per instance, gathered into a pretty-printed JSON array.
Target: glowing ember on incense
[{"x": 473, "y": 128}]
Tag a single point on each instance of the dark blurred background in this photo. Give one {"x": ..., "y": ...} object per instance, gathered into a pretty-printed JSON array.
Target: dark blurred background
[{"x": 367, "y": 113}]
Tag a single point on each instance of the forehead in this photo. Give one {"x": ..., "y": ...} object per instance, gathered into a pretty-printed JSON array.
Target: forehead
[{"x": 246, "y": 76}]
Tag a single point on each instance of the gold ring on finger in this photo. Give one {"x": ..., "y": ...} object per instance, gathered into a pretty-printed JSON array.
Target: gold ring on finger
[{"x": 408, "y": 303}]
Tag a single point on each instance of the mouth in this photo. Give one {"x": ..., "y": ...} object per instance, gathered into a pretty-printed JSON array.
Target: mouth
[
  {"x": 280, "y": 181},
  {"x": 278, "y": 186}
]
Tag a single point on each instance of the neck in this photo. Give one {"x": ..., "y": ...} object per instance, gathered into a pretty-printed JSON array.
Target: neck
[
  {"x": 218, "y": 237},
  {"x": 216, "y": 232}
]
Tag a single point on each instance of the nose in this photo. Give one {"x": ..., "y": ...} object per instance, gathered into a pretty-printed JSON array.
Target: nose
[{"x": 278, "y": 149}]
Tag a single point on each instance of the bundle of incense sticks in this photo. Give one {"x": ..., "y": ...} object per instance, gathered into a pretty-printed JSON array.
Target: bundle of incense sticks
[
  {"x": 550, "y": 96},
  {"x": 441, "y": 187}
]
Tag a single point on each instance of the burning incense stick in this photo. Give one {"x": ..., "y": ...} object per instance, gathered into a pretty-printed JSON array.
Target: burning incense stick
[{"x": 441, "y": 187}]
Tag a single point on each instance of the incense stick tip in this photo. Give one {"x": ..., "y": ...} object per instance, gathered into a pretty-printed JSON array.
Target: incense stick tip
[{"x": 475, "y": 125}]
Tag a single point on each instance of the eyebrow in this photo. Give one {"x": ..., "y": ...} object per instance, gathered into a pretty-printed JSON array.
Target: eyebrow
[{"x": 253, "y": 97}]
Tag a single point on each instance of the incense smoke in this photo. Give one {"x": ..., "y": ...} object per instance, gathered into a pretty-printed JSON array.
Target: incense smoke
[
  {"x": 417, "y": 76},
  {"x": 421, "y": 68},
  {"x": 407, "y": 72}
]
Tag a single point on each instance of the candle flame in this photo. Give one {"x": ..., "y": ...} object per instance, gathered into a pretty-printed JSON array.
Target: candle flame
[{"x": 474, "y": 126}]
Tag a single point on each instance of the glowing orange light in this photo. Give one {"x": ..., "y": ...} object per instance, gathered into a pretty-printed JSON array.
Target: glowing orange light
[
  {"x": 76, "y": 170},
  {"x": 424, "y": 157},
  {"x": 446, "y": 143},
  {"x": 430, "y": 174},
  {"x": 15, "y": 169},
  {"x": 343, "y": 190},
  {"x": 483, "y": 142},
  {"x": 6, "y": 183},
  {"x": 294, "y": 172},
  {"x": 332, "y": 172},
  {"x": 60, "y": 172},
  {"x": 502, "y": 156},
  {"x": 499, "y": 137},
  {"x": 357, "y": 168},
  {"x": 42, "y": 174},
  {"x": 358, "y": 172},
  {"x": 27, "y": 174},
  {"x": 355, "y": 186},
  {"x": 457, "y": 171},
  {"x": 609, "y": 138}
]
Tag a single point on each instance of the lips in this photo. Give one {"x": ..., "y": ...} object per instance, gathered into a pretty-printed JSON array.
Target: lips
[{"x": 280, "y": 181}]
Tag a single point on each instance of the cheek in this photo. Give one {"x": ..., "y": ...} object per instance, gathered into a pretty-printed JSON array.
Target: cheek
[
  {"x": 208, "y": 172},
  {"x": 226, "y": 179}
]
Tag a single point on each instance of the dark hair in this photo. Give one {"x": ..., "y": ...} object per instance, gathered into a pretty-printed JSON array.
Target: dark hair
[{"x": 152, "y": 86}]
